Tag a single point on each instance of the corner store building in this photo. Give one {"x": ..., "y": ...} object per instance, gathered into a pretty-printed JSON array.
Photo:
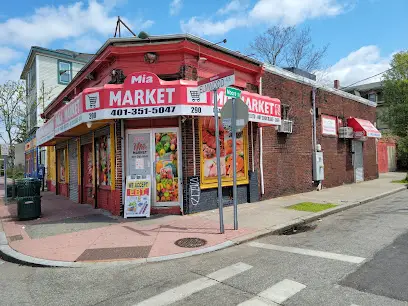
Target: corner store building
[{"x": 155, "y": 119}]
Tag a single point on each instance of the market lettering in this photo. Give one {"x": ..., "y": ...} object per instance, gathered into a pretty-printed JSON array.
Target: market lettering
[
  {"x": 142, "y": 97},
  {"x": 141, "y": 79},
  {"x": 254, "y": 105},
  {"x": 71, "y": 110}
]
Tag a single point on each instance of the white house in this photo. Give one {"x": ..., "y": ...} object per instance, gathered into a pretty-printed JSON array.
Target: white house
[{"x": 46, "y": 72}]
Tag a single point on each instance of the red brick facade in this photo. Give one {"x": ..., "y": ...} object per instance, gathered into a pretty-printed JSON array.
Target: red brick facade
[{"x": 287, "y": 158}]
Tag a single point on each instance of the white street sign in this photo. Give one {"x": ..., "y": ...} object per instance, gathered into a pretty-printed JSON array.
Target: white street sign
[{"x": 220, "y": 80}]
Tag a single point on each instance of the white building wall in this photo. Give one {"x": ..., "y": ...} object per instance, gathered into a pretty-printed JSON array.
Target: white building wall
[{"x": 48, "y": 75}]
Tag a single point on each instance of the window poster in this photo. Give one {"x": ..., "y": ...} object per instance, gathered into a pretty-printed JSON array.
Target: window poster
[
  {"x": 208, "y": 154},
  {"x": 137, "y": 200},
  {"x": 103, "y": 153},
  {"x": 166, "y": 156},
  {"x": 62, "y": 165}
]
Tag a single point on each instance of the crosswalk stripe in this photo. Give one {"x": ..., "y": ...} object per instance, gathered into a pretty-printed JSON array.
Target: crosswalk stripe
[
  {"x": 276, "y": 294},
  {"x": 328, "y": 255},
  {"x": 185, "y": 290}
]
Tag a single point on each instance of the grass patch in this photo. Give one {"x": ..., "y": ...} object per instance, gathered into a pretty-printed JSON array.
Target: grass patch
[
  {"x": 404, "y": 181},
  {"x": 312, "y": 207}
]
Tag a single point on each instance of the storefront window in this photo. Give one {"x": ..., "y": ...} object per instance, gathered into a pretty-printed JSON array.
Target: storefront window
[
  {"x": 208, "y": 154},
  {"x": 166, "y": 167},
  {"x": 103, "y": 157},
  {"x": 62, "y": 165}
]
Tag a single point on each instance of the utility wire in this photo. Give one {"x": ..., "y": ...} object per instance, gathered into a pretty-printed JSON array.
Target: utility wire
[{"x": 366, "y": 78}]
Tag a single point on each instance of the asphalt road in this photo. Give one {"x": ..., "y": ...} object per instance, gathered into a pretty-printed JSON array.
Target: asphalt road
[{"x": 357, "y": 257}]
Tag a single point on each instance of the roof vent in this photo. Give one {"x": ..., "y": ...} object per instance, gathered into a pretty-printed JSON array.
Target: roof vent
[
  {"x": 143, "y": 35},
  {"x": 301, "y": 72}
]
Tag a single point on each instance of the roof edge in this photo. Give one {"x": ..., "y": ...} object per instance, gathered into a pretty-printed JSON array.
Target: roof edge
[
  {"x": 40, "y": 50},
  {"x": 298, "y": 78}
]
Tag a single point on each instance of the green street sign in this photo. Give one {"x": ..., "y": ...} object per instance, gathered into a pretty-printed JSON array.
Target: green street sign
[{"x": 232, "y": 92}]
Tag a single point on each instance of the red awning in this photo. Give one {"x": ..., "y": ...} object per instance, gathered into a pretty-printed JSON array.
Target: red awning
[{"x": 363, "y": 128}]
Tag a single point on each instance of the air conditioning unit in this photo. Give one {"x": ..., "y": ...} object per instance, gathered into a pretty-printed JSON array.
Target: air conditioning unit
[
  {"x": 346, "y": 132},
  {"x": 286, "y": 127}
]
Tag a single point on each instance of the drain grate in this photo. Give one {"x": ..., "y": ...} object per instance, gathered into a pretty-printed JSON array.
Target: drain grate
[
  {"x": 299, "y": 229},
  {"x": 190, "y": 242}
]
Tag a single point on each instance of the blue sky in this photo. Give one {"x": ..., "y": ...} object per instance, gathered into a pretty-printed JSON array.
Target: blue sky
[{"x": 363, "y": 34}]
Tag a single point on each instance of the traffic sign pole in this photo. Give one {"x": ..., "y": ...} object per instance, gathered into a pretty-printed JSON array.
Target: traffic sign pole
[
  {"x": 234, "y": 162},
  {"x": 218, "y": 153},
  {"x": 5, "y": 178}
]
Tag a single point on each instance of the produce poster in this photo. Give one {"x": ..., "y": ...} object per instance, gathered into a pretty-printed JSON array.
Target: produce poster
[
  {"x": 208, "y": 154},
  {"x": 166, "y": 170},
  {"x": 137, "y": 201}
]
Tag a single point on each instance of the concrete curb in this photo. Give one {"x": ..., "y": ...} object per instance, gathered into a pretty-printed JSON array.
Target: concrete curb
[{"x": 12, "y": 255}]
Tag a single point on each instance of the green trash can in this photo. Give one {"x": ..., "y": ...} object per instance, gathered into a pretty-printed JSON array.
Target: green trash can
[
  {"x": 28, "y": 187},
  {"x": 29, "y": 207}
]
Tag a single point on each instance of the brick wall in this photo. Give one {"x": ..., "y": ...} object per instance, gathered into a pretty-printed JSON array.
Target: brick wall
[{"x": 287, "y": 158}]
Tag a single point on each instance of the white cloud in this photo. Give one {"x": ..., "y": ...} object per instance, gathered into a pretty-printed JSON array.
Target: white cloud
[
  {"x": 290, "y": 12},
  {"x": 175, "y": 7},
  {"x": 50, "y": 23},
  {"x": 360, "y": 64},
  {"x": 8, "y": 54},
  {"x": 203, "y": 27},
  {"x": 11, "y": 73},
  {"x": 287, "y": 12},
  {"x": 233, "y": 6},
  {"x": 85, "y": 44}
]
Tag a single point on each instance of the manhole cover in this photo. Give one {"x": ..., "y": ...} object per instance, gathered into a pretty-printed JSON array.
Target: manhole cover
[
  {"x": 190, "y": 242},
  {"x": 299, "y": 229}
]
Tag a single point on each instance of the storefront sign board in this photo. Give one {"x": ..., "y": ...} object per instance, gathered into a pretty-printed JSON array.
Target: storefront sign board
[
  {"x": 144, "y": 95},
  {"x": 329, "y": 125},
  {"x": 138, "y": 197},
  {"x": 46, "y": 132},
  {"x": 220, "y": 80},
  {"x": 69, "y": 116}
]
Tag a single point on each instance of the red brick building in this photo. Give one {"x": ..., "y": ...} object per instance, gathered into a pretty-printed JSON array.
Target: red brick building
[{"x": 133, "y": 112}]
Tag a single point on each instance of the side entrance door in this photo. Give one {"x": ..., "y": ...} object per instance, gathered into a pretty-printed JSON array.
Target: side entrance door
[{"x": 358, "y": 161}]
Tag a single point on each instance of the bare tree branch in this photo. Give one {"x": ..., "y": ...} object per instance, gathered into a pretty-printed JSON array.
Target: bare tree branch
[
  {"x": 270, "y": 45},
  {"x": 285, "y": 45}
]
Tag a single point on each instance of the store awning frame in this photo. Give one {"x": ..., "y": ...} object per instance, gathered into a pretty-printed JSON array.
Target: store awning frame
[{"x": 363, "y": 128}]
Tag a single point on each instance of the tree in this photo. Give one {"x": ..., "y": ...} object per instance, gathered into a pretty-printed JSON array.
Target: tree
[
  {"x": 289, "y": 46},
  {"x": 395, "y": 88},
  {"x": 12, "y": 110}
]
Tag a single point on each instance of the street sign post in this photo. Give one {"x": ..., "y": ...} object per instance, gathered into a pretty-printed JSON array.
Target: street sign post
[
  {"x": 223, "y": 79},
  {"x": 235, "y": 111},
  {"x": 232, "y": 92},
  {"x": 241, "y": 114},
  {"x": 5, "y": 152}
]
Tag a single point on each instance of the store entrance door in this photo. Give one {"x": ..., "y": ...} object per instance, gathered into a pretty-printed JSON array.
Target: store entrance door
[
  {"x": 155, "y": 152},
  {"x": 358, "y": 161}
]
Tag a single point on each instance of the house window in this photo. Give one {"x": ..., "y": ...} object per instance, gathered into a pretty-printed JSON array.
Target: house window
[
  {"x": 285, "y": 111},
  {"x": 64, "y": 72},
  {"x": 372, "y": 97}
]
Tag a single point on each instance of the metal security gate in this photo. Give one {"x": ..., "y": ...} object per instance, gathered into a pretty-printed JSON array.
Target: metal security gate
[
  {"x": 358, "y": 161},
  {"x": 73, "y": 170}
]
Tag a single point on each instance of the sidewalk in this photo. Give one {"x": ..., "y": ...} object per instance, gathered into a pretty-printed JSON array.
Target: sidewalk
[{"x": 70, "y": 234}]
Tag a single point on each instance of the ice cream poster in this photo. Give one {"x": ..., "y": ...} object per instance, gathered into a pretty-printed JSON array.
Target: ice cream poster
[{"x": 138, "y": 199}]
